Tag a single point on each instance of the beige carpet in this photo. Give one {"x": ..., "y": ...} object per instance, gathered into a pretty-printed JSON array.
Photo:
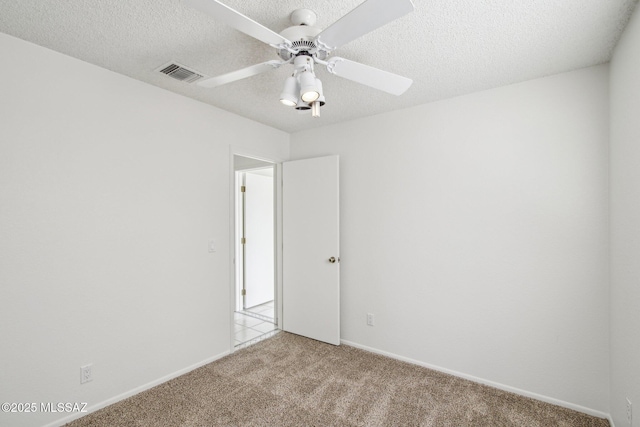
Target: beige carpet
[{"x": 288, "y": 380}]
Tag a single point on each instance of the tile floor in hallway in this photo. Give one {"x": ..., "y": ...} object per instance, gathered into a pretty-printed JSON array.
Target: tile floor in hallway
[
  {"x": 262, "y": 311},
  {"x": 254, "y": 324}
]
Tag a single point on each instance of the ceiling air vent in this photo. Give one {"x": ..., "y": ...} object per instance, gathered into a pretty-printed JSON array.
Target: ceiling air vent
[{"x": 180, "y": 72}]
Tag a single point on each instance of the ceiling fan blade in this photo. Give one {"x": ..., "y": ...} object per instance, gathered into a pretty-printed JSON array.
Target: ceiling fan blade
[
  {"x": 240, "y": 74},
  {"x": 370, "y": 76},
  {"x": 363, "y": 19},
  {"x": 235, "y": 19}
]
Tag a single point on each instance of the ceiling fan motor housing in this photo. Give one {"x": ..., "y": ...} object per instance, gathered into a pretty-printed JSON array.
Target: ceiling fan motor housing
[{"x": 302, "y": 39}]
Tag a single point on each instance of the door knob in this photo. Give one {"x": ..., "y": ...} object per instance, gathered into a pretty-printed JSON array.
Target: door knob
[{"x": 333, "y": 260}]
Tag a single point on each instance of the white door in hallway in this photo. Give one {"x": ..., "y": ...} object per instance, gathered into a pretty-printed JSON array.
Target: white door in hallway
[
  {"x": 311, "y": 248},
  {"x": 259, "y": 251}
]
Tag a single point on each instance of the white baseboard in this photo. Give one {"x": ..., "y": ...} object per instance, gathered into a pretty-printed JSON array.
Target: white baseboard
[
  {"x": 611, "y": 423},
  {"x": 136, "y": 390},
  {"x": 510, "y": 389}
]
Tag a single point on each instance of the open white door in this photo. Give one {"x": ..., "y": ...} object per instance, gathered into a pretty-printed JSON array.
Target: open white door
[
  {"x": 259, "y": 275},
  {"x": 311, "y": 249}
]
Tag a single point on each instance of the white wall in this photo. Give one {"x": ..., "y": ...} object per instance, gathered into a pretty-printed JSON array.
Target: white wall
[
  {"x": 110, "y": 190},
  {"x": 625, "y": 224},
  {"x": 475, "y": 229}
]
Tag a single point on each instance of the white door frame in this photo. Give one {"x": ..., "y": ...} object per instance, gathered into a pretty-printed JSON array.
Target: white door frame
[{"x": 277, "y": 189}]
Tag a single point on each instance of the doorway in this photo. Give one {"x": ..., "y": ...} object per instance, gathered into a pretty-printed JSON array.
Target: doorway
[{"x": 255, "y": 304}]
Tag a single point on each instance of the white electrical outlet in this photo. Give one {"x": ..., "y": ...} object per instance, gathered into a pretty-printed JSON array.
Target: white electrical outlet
[
  {"x": 85, "y": 374},
  {"x": 629, "y": 412},
  {"x": 370, "y": 319}
]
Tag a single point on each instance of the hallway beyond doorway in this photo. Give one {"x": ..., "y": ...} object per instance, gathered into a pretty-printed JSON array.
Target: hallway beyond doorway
[{"x": 254, "y": 324}]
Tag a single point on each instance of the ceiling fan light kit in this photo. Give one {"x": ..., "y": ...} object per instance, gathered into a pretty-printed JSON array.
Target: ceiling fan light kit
[
  {"x": 289, "y": 95},
  {"x": 309, "y": 91},
  {"x": 302, "y": 106},
  {"x": 304, "y": 45}
]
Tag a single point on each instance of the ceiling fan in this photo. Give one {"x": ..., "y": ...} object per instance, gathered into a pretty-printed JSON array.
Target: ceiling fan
[{"x": 305, "y": 46}]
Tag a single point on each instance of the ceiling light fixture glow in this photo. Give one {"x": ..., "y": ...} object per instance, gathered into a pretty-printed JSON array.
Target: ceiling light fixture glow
[{"x": 309, "y": 91}]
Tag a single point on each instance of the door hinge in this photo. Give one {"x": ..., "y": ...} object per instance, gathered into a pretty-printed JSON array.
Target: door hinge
[
  {"x": 243, "y": 241},
  {"x": 244, "y": 292},
  {"x": 243, "y": 189}
]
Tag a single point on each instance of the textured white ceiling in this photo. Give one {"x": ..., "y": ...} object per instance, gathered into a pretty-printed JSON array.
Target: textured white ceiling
[{"x": 448, "y": 47}]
